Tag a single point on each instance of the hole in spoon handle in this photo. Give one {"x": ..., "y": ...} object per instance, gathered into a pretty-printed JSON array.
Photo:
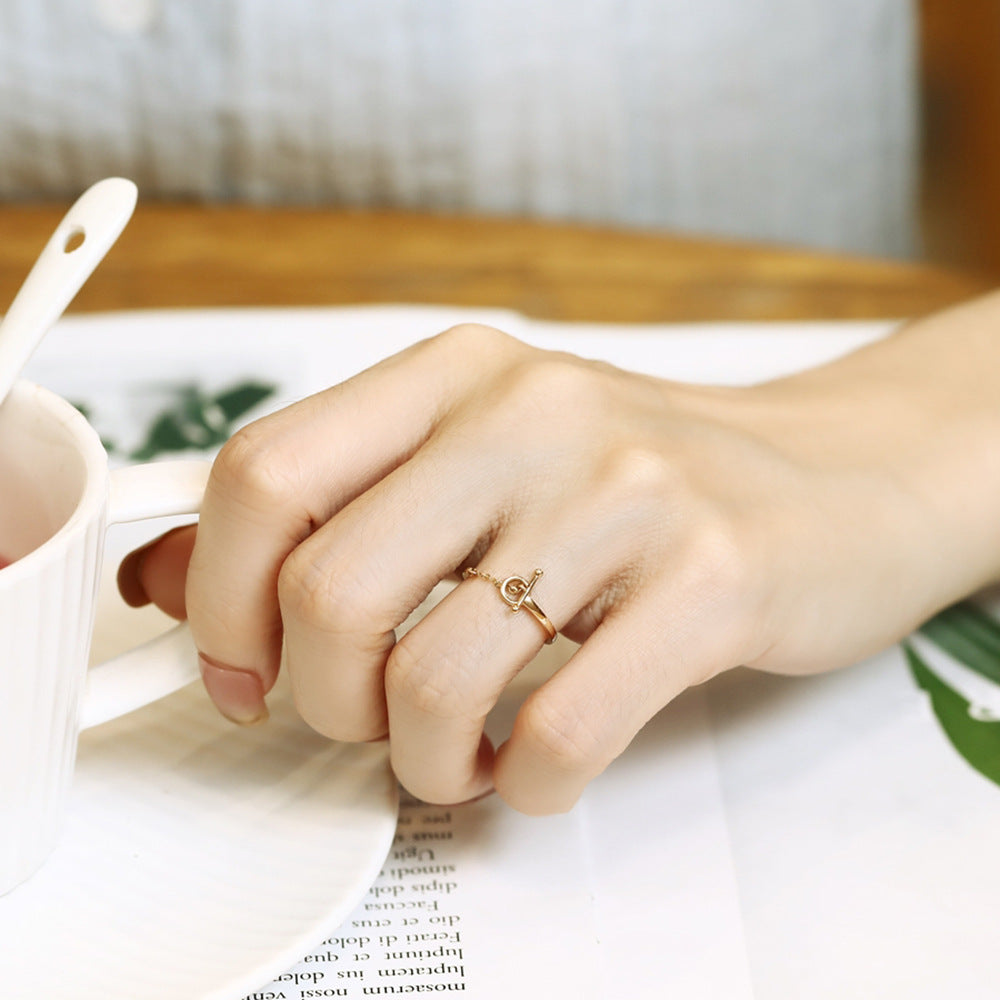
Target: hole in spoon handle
[{"x": 74, "y": 239}]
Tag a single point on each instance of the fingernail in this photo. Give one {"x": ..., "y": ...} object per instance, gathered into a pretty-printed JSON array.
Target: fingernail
[
  {"x": 129, "y": 585},
  {"x": 238, "y": 694}
]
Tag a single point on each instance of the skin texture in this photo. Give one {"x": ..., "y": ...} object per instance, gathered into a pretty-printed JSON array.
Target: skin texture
[{"x": 793, "y": 527}]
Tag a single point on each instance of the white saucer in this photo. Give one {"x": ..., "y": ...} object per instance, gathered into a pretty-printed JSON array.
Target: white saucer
[{"x": 199, "y": 860}]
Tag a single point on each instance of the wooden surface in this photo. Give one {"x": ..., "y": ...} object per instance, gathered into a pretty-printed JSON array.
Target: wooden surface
[
  {"x": 183, "y": 255},
  {"x": 960, "y": 108}
]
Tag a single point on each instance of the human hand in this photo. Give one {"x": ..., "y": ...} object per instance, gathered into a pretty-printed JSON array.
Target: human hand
[{"x": 682, "y": 531}]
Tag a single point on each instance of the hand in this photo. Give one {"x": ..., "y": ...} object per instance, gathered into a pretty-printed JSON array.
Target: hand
[{"x": 682, "y": 531}]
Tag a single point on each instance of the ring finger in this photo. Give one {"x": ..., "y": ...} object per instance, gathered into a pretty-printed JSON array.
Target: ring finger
[{"x": 443, "y": 677}]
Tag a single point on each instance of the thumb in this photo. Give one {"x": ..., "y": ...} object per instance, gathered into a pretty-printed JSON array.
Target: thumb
[{"x": 155, "y": 574}]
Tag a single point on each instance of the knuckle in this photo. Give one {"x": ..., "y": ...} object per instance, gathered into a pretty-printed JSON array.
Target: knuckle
[
  {"x": 560, "y": 735},
  {"x": 719, "y": 558},
  {"x": 722, "y": 585},
  {"x": 637, "y": 473},
  {"x": 425, "y": 680},
  {"x": 325, "y": 597},
  {"x": 252, "y": 470},
  {"x": 475, "y": 340},
  {"x": 555, "y": 383}
]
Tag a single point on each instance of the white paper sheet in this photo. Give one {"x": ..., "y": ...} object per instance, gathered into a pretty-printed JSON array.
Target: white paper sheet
[{"x": 865, "y": 847}]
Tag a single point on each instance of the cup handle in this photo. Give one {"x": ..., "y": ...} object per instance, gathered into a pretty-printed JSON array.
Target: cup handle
[{"x": 168, "y": 662}]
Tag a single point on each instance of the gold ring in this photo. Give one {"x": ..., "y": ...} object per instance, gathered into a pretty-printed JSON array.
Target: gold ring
[{"x": 515, "y": 592}]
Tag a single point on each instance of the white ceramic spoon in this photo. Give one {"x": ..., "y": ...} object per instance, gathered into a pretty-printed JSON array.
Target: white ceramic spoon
[{"x": 78, "y": 245}]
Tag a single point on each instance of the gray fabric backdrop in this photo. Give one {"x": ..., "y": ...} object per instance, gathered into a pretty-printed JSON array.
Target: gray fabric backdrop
[{"x": 790, "y": 120}]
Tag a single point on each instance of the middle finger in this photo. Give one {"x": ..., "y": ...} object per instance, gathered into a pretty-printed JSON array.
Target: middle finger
[{"x": 346, "y": 588}]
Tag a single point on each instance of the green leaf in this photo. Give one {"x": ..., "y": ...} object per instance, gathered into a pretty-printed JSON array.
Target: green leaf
[
  {"x": 970, "y": 635},
  {"x": 109, "y": 446},
  {"x": 195, "y": 421},
  {"x": 83, "y": 408},
  {"x": 977, "y": 741},
  {"x": 199, "y": 422},
  {"x": 242, "y": 398},
  {"x": 164, "y": 435}
]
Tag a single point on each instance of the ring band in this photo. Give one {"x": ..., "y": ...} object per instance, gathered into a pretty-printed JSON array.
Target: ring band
[{"x": 515, "y": 592}]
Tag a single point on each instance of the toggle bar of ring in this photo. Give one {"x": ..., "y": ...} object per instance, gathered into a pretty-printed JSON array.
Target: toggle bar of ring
[{"x": 515, "y": 592}]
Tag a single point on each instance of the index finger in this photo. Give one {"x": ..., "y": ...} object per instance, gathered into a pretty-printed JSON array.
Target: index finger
[{"x": 277, "y": 480}]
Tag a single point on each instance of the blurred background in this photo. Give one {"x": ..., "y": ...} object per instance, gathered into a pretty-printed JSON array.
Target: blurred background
[
  {"x": 861, "y": 126},
  {"x": 960, "y": 148}
]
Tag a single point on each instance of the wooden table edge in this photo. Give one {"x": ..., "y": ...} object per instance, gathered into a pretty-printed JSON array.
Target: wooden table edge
[{"x": 179, "y": 255}]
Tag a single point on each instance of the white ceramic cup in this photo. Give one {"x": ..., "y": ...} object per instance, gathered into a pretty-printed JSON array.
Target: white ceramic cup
[{"x": 57, "y": 498}]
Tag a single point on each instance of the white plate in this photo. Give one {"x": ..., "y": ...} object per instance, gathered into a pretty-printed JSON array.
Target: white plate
[{"x": 200, "y": 860}]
